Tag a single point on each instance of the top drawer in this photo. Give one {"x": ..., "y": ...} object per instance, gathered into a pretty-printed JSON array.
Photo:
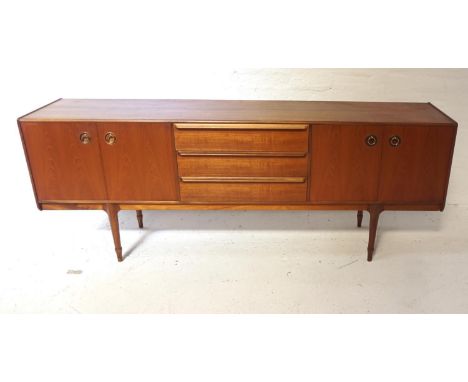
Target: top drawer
[{"x": 241, "y": 138}]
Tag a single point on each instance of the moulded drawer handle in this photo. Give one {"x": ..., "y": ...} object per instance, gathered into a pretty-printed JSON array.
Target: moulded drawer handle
[
  {"x": 240, "y": 126},
  {"x": 242, "y": 179}
]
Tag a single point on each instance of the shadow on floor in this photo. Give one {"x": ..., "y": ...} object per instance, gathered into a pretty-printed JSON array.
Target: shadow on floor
[
  {"x": 299, "y": 221},
  {"x": 276, "y": 220}
]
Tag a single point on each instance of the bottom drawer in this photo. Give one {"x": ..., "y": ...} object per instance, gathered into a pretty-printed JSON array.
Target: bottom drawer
[{"x": 241, "y": 192}]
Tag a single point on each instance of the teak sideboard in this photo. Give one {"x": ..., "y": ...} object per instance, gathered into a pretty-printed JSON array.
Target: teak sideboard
[{"x": 212, "y": 154}]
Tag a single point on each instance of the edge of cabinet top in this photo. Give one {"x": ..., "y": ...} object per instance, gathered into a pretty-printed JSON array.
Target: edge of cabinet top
[{"x": 180, "y": 110}]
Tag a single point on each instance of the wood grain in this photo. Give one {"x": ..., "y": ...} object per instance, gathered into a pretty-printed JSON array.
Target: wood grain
[
  {"x": 141, "y": 165},
  {"x": 234, "y": 140},
  {"x": 239, "y": 192},
  {"x": 417, "y": 169},
  {"x": 62, "y": 167},
  {"x": 241, "y": 111},
  {"x": 241, "y": 166},
  {"x": 343, "y": 166}
]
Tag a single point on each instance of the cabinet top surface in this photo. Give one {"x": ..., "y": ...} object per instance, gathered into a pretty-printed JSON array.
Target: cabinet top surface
[{"x": 238, "y": 111}]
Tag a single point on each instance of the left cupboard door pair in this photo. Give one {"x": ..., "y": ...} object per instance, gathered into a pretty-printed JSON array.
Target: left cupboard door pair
[{"x": 101, "y": 161}]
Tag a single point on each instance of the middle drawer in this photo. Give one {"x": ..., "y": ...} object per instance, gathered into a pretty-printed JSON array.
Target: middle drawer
[{"x": 191, "y": 166}]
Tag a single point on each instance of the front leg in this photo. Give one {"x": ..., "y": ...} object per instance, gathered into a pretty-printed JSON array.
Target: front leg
[
  {"x": 374, "y": 211},
  {"x": 113, "y": 211}
]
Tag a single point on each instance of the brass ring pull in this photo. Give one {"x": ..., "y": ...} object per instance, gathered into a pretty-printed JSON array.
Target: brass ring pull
[
  {"x": 371, "y": 140},
  {"x": 395, "y": 141},
  {"x": 110, "y": 138},
  {"x": 85, "y": 138}
]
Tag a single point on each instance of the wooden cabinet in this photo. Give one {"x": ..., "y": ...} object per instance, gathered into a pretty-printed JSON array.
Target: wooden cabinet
[{"x": 194, "y": 154}]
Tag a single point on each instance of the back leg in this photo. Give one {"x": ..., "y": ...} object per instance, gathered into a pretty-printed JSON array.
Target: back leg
[
  {"x": 359, "y": 218},
  {"x": 139, "y": 214}
]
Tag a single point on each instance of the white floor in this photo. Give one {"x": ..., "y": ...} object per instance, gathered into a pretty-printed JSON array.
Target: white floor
[
  {"x": 250, "y": 262},
  {"x": 240, "y": 262}
]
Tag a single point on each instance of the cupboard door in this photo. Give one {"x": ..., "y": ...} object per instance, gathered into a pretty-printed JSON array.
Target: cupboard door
[
  {"x": 139, "y": 161},
  {"x": 415, "y": 163},
  {"x": 345, "y": 163},
  {"x": 64, "y": 160}
]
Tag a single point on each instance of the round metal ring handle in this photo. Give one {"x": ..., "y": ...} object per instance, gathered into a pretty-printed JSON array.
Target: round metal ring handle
[
  {"x": 395, "y": 141},
  {"x": 110, "y": 138},
  {"x": 85, "y": 138},
  {"x": 371, "y": 140}
]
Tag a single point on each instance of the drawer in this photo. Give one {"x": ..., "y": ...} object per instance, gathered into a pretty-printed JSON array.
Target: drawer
[
  {"x": 239, "y": 138},
  {"x": 242, "y": 166},
  {"x": 243, "y": 192}
]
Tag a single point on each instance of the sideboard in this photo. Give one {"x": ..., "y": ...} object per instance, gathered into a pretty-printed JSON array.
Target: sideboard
[{"x": 139, "y": 155}]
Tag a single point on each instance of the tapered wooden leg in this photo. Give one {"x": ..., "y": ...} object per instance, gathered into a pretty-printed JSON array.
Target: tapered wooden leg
[
  {"x": 359, "y": 218},
  {"x": 113, "y": 211},
  {"x": 374, "y": 211},
  {"x": 139, "y": 214}
]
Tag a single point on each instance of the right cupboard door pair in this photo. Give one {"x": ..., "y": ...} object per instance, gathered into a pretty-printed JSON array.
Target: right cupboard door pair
[{"x": 388, "y": 164}]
